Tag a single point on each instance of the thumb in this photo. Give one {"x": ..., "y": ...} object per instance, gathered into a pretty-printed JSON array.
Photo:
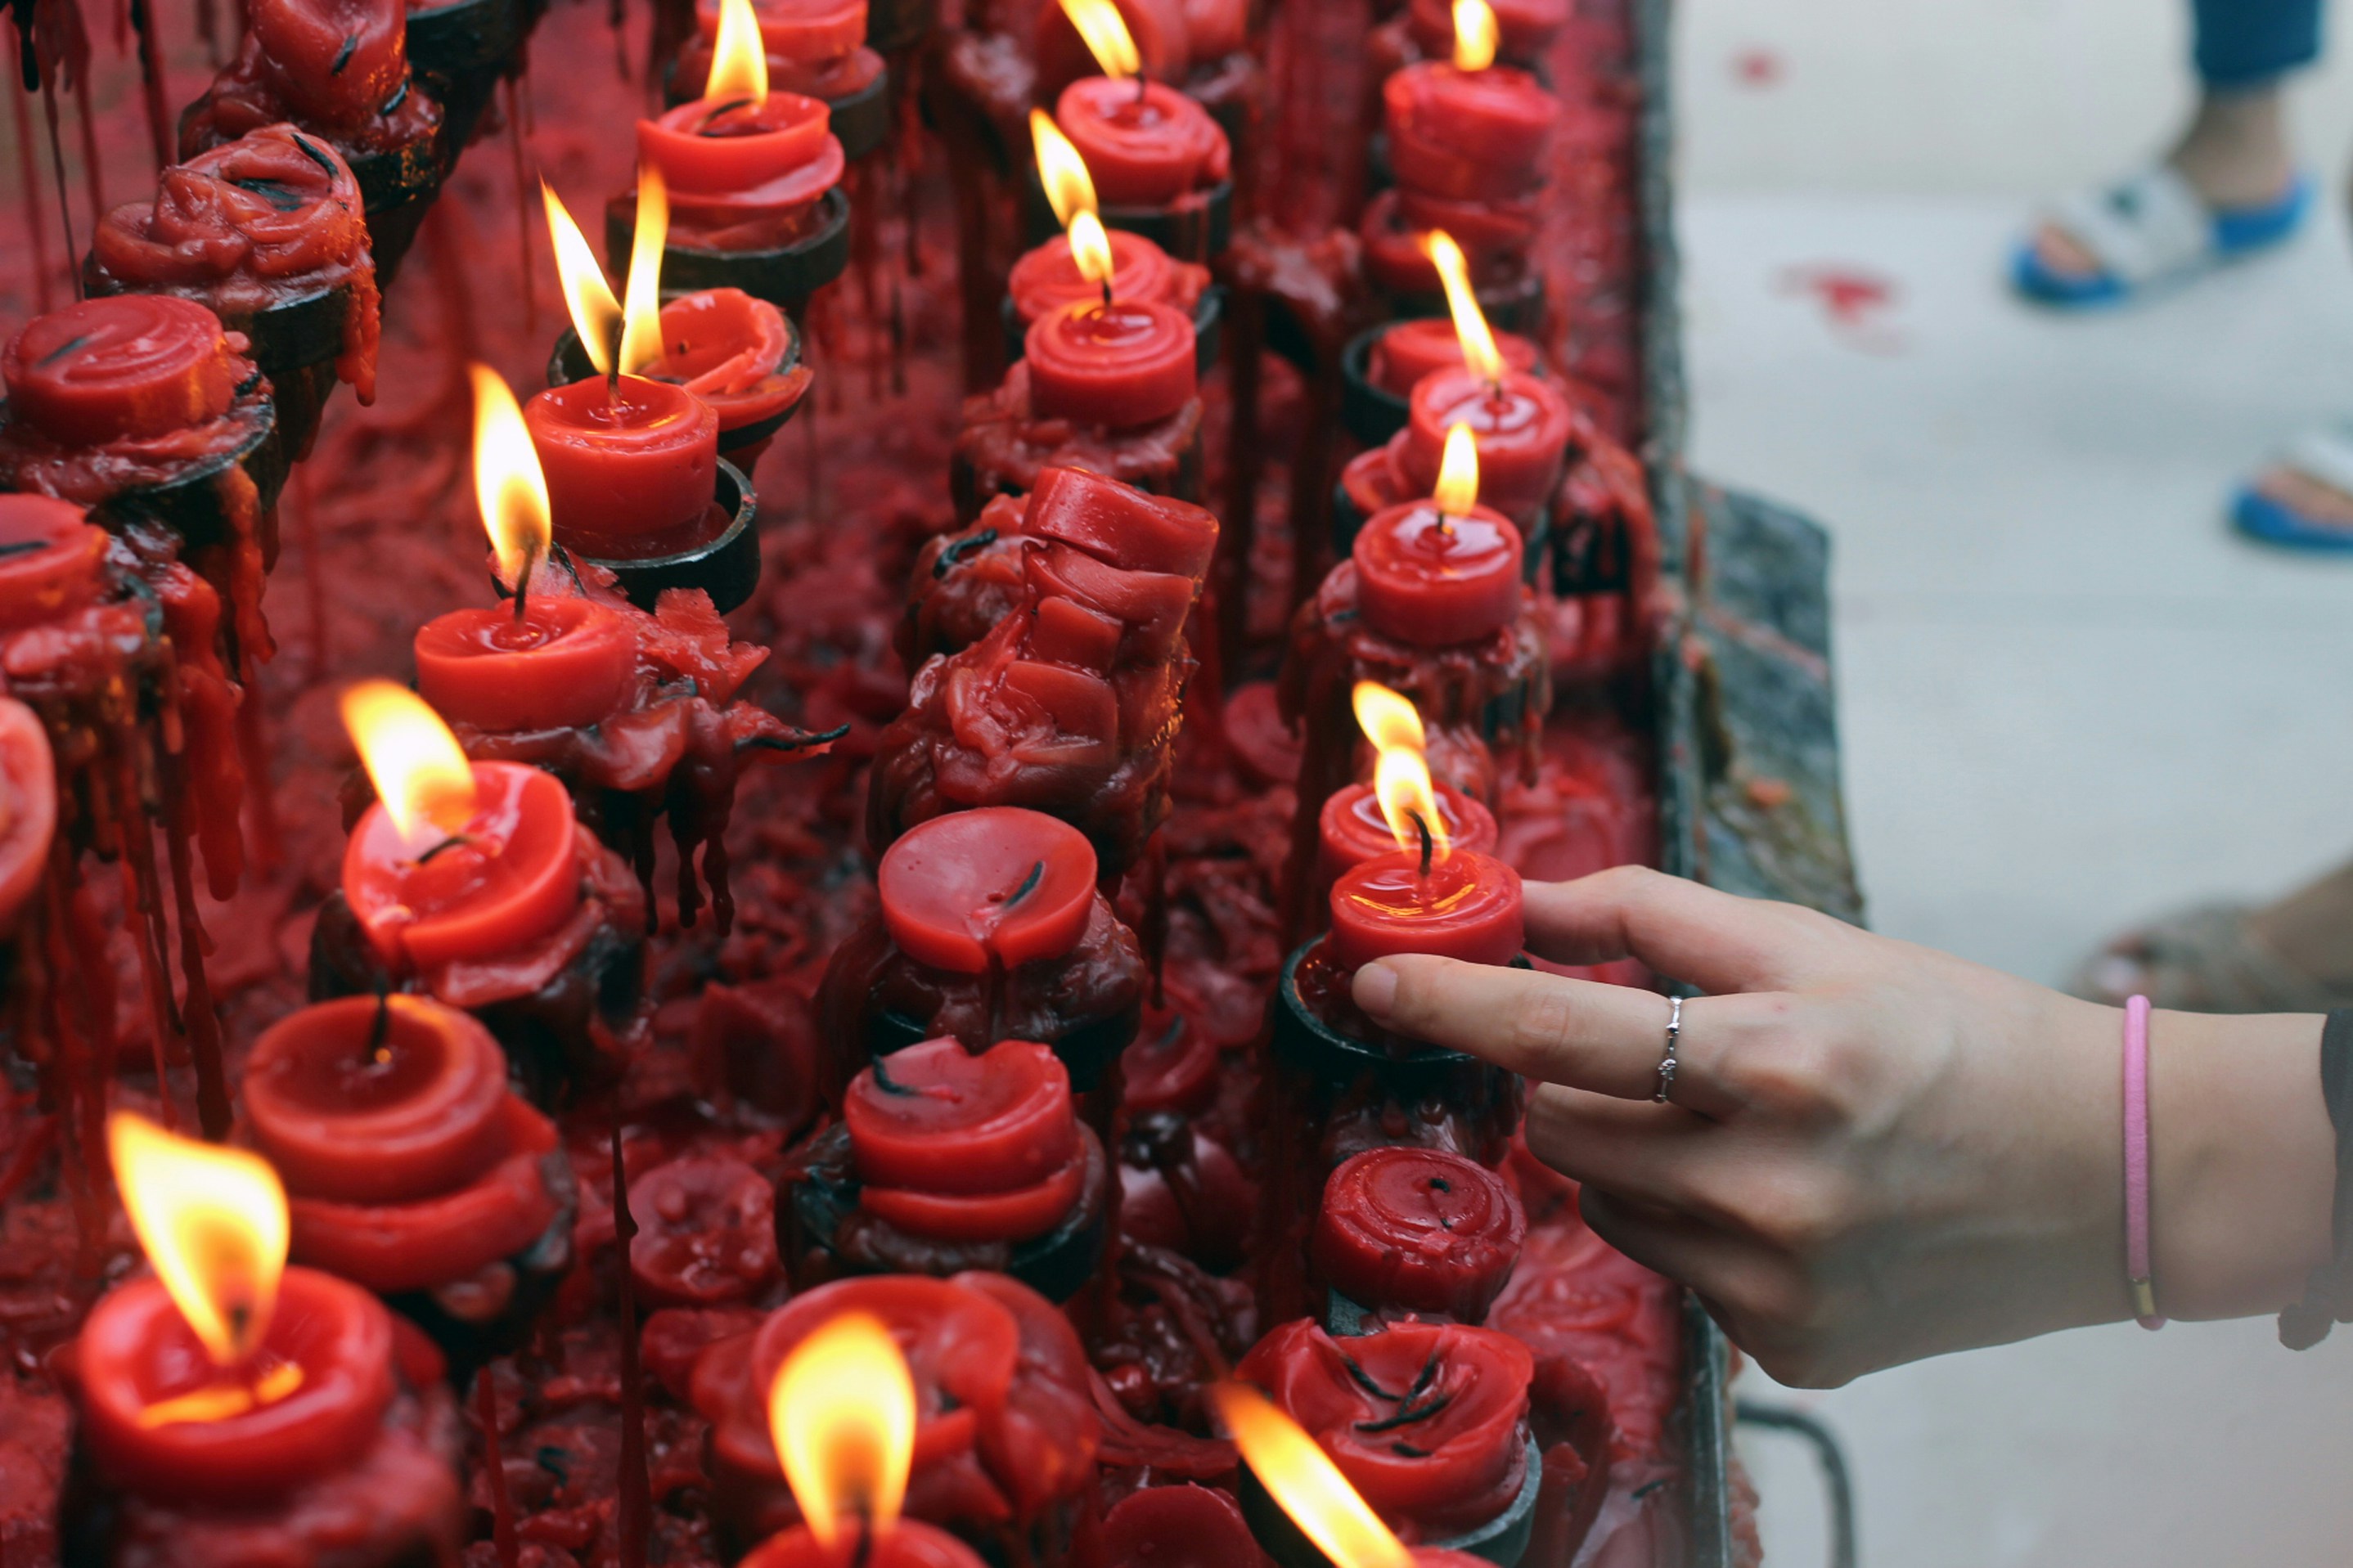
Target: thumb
[{"x": 1715, "y": 941}]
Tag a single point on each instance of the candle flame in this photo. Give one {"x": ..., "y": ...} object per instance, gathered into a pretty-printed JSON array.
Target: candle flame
[
  {"x": 1401, "y": 777},
  {"x": 1475, "y": 33},
  {"x": 213, "y": 1221},
  {"x": 1457, "y": 489},
  {"x": 1108, "y": 40},
  {"x": 1091, "y": 248},
  {"x": 509, "y": 489},
  {"x": 595, "y": 314},
  {"x": 1470, "y": 330},
  {"x": 641, "y": 339},
  {"x": 1069, "y": 187},
  {"x": 739, "y": 56},
  {"x": 420, "y": 774},
  {"x": 1305, "y": 1483},
  {"x": 842, "y": 1412}
]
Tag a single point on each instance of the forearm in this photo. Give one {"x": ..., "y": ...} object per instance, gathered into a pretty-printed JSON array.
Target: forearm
[{"x": 2242, "y": 1161}]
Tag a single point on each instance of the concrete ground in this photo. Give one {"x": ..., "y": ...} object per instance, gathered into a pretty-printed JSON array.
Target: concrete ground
[{"x": 2069, "y": 696}]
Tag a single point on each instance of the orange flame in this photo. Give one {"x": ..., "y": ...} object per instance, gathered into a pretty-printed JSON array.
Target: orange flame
[
  {"x": 1401, "y": 777},
  {"x": 595, "y": 314},
  {"x": 1069, "y": 187},
  {"x": 842, "y": 1412},
  {"x": 509, "y": 489},
  {"x": 739, "y": 56},
  {"x": 423, "y": 778},
  {"x": 1305, "y": 1484},
  {"x": 642, "y": 338},
  {"x": 1479, "y": 349},
  {"x": 213, "y": 1221},
  {"x": 1475, "y": 33},
  {"x": 1108, "y": 40},
  {"x": 1457, "y": 489}
]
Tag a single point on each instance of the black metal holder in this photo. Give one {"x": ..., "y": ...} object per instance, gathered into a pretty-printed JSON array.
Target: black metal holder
[
  {"x": 1369, "y": 412},
  {"x": 189, "y": 504},
  {"x": 458, "y": 52},
  {"x": 470, "y": 1342},
  {"x": 1501, "y": 1541},
  {"x": 1209, "y": 321},
  {"x": 569, "y": 363},
  {"x": 728, "y": 568},
  {"x": 397, "y": 187},
  {"x": 784, "y": 277},
  {"x": 1195, "y": 232},
  {"x": 1086, "y": 1052},
  {"x": 1056, "y": 1265},
  {"x": 1310, "y": 1045}
]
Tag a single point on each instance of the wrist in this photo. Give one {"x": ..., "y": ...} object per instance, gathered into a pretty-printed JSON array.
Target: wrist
[{"x": 2242, "y": 1161}]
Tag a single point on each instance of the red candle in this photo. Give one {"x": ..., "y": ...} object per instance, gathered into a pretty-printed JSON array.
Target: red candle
[
  {"x": 1405, "y": 352},
  {"x": 565, "y": 663},
  {"x": 1352, "y": 830},
  {"x": 336, "y": 65},
  {"x": 1484, "y": 136},
  {"x": 1182, "y": 1526},
  {"x": 1417, "y": 1230},
  {"x": 727, "y": 348},
  {"x": 1436, "y": 580},
  {"x": 1522, "y": 424},
  {"x": 408, "y": 1162},
  {"x": 1048, "y": 278},
  {"x": 503, "y": 875},
  {"x": 995, "y": 887},
  {"x": 797, "y": 29},
  {"x": 631, "y": 468},
  {"x": 1120, "y": 365},
  {"x": 1145, "y": 144},
  {"x": 137, "y": 1352},
  {"x": 740, "y": 147},
  {"x": 1427, "y": 1421},
  {"x": 28, "y": 806},
  {"x": 49, "y": 559},
  {"x": 1524, "y": 28},
  {"x": 122, "y": 365},
  {"x": 909, "y": 1544},
  {"x": 1466, "y": 906},
  {"x": 1158, "y": 31},
  {"x": 966, "y": 1148}
]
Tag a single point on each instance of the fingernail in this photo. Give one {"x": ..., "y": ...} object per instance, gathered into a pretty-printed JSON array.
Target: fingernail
[{"x": 1376, "y": 989}]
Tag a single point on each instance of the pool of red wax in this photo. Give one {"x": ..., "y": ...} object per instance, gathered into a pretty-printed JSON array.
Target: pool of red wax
[
  {"x": 1428, "y": 1421},
  {"x": 390, "y": 499}
]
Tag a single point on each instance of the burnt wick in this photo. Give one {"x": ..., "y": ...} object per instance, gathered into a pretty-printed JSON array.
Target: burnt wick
[
  {"x": 1427, "y": 847},
  {"x": 1028, "y": 885},
  {"x": 886, "y": 1083},
  {"x": 453, "y": 842}
]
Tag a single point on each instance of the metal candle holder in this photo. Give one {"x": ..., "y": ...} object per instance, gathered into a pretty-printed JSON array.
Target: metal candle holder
[
  {"x": 1310, "y": 1044},
  {"x": 459, "y": 51},
  {"x": 727, "y": 568},
  {"x": 784, "y": 277}
]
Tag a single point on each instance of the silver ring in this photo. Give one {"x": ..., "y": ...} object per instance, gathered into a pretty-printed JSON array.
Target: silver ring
[{"x": 1667, "y": 1062}]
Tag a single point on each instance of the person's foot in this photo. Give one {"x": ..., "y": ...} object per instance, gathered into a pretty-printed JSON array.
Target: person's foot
[
  {"x": 2302, "y": 500},
  {"x": 2233, "y": 154}
]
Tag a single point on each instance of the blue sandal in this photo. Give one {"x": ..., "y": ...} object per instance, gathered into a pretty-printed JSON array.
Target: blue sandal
[
  {"x": 2150, "y": 232},
  {"x": 2325, "y": 456}
]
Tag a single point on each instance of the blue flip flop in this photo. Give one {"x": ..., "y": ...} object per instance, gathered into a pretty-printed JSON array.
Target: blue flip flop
[
  {"x": 2326, "y": 456},
  {"x": 2150, "y": 232}
]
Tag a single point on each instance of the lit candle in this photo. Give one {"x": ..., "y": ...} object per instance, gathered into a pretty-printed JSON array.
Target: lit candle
[
  {"x": 813, "y": 47},
  {"x": 1367, "y": 820},
  {"x": 631, "y": 466},
  {"x": 1468, "y": 129},
  {"x": 1466, "y": 906},
  {"x": 1403, "y": 1229},
  {"x": 1522, "y": 30},
  {"x": 1442, "y": 572},
  {"x": 1118, "y": 364},
  {"x": 1147, "y": 146},
  {"x": 455, "y": 859},
  {"x": 745, "y": 166},
  {"x": 1071, "y": 269},
  {"x": 1405, "y": 352},
  {"x": 737, "y": 354},
  {"x": 229, "y": 1382},
  {"x": 554, "y": 659},
  {"x": 28, "y": 808}
]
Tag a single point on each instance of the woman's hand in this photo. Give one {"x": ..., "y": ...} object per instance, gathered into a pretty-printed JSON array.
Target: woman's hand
[{"x": 1874, "y": 1152}]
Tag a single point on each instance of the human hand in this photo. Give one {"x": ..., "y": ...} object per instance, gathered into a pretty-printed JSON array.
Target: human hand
[{"x": 1875, "y": 1152}]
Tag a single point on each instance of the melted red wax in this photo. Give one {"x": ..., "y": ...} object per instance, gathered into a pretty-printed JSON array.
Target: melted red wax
[{"x": 395, "y": 540}]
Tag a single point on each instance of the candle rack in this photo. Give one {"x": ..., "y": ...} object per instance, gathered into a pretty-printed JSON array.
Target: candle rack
[
  {"x": 459, "y": 51},
  {"x": 569, "y": 363},
  {"x": 1209, "y": 320},
  {"x": 786, "y": 277},
  {"x": 1501, "y": 1541},
  {"x": 728, "y": 568}
]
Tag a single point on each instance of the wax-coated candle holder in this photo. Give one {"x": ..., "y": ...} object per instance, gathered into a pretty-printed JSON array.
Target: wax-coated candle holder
[
  {"x": 191, "y": 505},
  {"x": 1193, "y": 229},
  {"x": 1307, "y": 1042},
  {"x": 1087, "y": 1052},
  {"x": 1209, "y": 318},
  {"x": 860, "y": 120},
  {"x": 1535, "y": 535},
  {"x": 1056, "y": 1265},
  {"x": 1501, "y": 1541},
  {"x": 728, "y": 568},
  {"x": 784, "y": 277},
  {"x": 458, "y": 52},
  {"x": 1368, "y": 411},
  {"x": 569, "y": 363}
]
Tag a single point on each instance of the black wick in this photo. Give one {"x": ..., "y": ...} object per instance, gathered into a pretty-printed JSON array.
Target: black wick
[
  {"x": 451, "y": 842},
  {"x": 885, "y": 1082},
  {"x": 522, "y": 583},
  {"x": 1427, "y": 846},
  {"x": 1028, "y": 885},
  {"x": 380, "y": 1029}
]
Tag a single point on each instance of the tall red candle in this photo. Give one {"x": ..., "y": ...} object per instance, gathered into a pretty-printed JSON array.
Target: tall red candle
[
  {"x": 1047, "y": 278},
  {"x": 631, "y": 468},
  {"x": 1435, "y": 580},
  {"x": 1466, "y": 906},
  {"x": 1118, "y": 365},
  {"x": 1482, "y": 135},
  {"x": 1409, "y": 350},
  {"x": 1145, "y": 144}
]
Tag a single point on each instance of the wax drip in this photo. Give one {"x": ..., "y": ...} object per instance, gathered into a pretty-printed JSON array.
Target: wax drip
[
  {"x": 314, "y": 572},
  {"x": 213, "y": 1113},
  {"x": 29, "y": 184},
  {"x": 635, "y": 1520},
  {"x": 151, "y": 81},
  {"x": 93, "y": 174},
  {"x": 513, "y": 87},
  {"x": 865, "y": 248},
  {"x": 57, "y": 168},
  {"x": 502, "y": 1520},
  {"x": 141, "y": 902}
]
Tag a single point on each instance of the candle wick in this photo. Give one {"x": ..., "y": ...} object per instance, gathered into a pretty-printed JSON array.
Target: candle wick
[
  {"x": 380, "y": 1028},
  {"x": 522, "y": 583},
  {"x": 865, "y": 1553},
  {"x": 1143, "y": 86},
  {"x": 453, "y": 842},
  {"x": 1422, "y": 827},
  {"x": 1106, "y": 288}
]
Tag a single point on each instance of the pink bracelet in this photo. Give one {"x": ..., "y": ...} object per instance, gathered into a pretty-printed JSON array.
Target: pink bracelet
[{"x": 2137, "y": 1269}]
